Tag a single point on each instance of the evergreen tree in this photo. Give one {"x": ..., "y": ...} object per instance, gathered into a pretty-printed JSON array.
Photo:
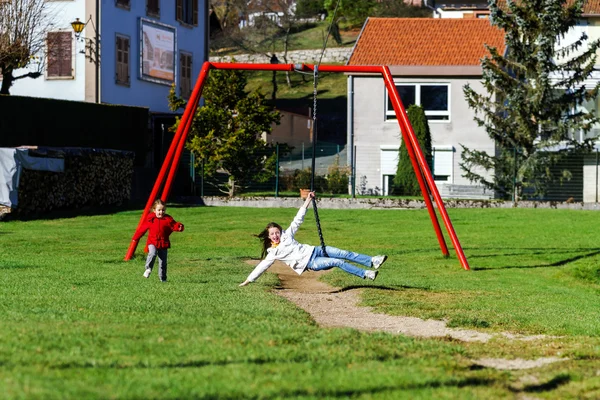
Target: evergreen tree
[
  {"x": 226, "y": 131},
  {"x": 534, "y": 97},
  {"x": 405, "y": 181}
]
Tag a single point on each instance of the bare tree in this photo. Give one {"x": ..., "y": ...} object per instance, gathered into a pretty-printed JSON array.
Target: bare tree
[
  {"x": 228, "y": 13},
  {"x": 23, "y": 28}
]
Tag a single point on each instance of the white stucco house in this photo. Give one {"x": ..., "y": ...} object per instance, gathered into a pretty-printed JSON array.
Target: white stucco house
[
  {"x": 585, "y": 184},
  {"x": 273, "y": 10},
  {"x": 431, "y": 59}
]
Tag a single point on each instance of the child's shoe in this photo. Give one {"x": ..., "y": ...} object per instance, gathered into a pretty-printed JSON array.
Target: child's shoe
[
  {"x": 147, "y": 273},
  {"x": 377, "y": 261},
  {"x": 371, "y": 274}
]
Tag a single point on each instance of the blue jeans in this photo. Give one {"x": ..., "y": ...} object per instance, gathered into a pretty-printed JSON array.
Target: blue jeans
[{"x": 336, "y": 259}]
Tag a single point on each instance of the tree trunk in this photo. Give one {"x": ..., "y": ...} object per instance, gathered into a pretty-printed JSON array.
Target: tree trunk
[
  {"x": 285, "y": 51},
  {"x": 231, "y": 186},
  {"x": 7, "y": 80}
]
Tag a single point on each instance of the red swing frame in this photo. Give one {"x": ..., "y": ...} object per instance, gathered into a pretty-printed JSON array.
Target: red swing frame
[{"x": 426, "y": 182}]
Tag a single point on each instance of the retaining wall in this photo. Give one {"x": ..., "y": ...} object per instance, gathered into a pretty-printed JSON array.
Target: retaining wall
[
  {"x": 337, "y": 55},
  {"x": 382, "y": 203}
]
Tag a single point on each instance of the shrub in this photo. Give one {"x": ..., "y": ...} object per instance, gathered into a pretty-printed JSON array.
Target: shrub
[
  {"x": 302, "y": 178},
  {"x": 405, "y": 181},
  {"x": 337, "y": 177}
]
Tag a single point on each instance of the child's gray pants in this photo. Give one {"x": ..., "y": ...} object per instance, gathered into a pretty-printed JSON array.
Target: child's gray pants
[{"x": 153, "y": 253}]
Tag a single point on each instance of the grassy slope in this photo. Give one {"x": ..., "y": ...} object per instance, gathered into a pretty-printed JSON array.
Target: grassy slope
[{"x": 78, "y": 322}]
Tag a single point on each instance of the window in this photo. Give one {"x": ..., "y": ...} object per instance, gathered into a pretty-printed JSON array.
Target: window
[
  {"x": 434, "y": 98},
  {"x": 185, "y": 75},
  {"x": 153, "y": 8},
  {"x": 60, "y": 51},
  {"x": 187, "y": 12},
  {"x": 122, "y": 67},
  {"x": 388, "y": 158},
  {"x": 126, "y": 4},
  {"x": 443, "y": 163}
]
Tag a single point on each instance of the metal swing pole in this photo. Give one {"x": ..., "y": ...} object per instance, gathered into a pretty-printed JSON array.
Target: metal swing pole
[
  {"x": 314, "y": 155},
  {"x": 168, "y": 166}
]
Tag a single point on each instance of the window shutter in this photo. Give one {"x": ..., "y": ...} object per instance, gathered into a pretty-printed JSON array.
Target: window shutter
[
  {"x": 185, "y": 78},
  {"x": 389, "y": 161},
  {"x": 179, "y": 10},
  {"x": 60, "y": 54},
  {"x": 152, "y": 7},
  {"x": 122, "y": 67},
  {"x": 443, "y": 162},
  {"x": 195, "y": 12}
]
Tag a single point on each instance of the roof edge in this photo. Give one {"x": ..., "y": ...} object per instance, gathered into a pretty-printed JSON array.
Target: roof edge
[{"x": 357, "y": 40}]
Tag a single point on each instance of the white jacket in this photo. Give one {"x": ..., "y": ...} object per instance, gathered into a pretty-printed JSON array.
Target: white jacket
[{"x": 294, "y": 254}]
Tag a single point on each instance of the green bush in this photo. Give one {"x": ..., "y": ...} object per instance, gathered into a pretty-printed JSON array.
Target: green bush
[
  {"x": 337, "y": 178},
  {"x": 302, "y": 179}
]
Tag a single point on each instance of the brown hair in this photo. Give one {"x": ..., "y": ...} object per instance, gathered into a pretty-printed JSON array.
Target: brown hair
[{"x": 264, "y": 237}]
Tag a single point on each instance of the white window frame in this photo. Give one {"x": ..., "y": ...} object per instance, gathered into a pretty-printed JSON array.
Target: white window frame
[{"x": 390, "y": 114}]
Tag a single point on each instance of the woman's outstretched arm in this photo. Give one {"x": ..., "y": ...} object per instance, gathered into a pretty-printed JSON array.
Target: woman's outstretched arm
[{"x": 309, "y": 198}]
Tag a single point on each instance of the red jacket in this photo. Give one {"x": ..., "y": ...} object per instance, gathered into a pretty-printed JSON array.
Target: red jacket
[{"x": 160, "y": 230}]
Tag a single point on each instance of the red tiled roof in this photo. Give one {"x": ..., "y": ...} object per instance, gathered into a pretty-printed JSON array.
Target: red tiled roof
[
  {"x": 253, "y": 6},
  {"x": 425, "y": 41},
  {"x": 590, "y": 7}
]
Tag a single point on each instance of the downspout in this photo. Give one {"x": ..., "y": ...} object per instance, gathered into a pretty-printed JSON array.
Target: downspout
[
  {"x": 350, "y": 135},
  {"x": 206, "y": 33}
]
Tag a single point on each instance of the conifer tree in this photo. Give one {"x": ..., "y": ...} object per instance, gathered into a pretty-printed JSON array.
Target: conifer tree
[
  {"x": 405, "y": 181},
  {"x": 535, "y": 92}
]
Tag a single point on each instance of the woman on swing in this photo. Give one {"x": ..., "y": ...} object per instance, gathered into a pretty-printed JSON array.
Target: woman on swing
[{"x": 279, "y": 244}]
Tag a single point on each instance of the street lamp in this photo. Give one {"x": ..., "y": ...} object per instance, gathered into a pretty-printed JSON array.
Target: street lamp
[{"x": 92, "y": 46}]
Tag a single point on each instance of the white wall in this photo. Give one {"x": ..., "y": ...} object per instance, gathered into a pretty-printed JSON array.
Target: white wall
[
  {"x": 62, "y": 14},
  {"x": 372, "y": 134}
]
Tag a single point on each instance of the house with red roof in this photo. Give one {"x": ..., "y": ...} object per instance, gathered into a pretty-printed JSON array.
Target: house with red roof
[
  {"x": 273, "y": 10},
  {"x": 431, "y": 60}
]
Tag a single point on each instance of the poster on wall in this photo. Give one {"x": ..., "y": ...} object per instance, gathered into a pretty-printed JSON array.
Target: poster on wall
[{"x": 157, "y": 44}]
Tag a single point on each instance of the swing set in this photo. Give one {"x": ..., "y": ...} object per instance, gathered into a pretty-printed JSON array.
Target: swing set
[{"x": 424, "y": 177}]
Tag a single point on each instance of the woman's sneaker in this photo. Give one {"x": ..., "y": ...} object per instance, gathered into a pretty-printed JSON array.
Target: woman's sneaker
[
  {"x": 378, "y": 261},
  {"x": 371, "y": 274},
  {"x": 147, "y": 273}
]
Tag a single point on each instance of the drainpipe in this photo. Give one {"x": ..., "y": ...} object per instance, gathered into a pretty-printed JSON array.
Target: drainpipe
[{"x": 350, "y": 135}]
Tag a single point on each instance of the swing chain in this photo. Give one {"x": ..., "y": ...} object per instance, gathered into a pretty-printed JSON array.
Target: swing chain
[
  {"x": 312, "y": 182},
  {"x": 316, "y": 77},
  {"x": 319, "y": 228}
]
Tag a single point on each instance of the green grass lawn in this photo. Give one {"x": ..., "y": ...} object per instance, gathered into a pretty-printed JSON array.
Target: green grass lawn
[
  {"x": 305, "y": 37},
  {"x": 79, "y": 322}
]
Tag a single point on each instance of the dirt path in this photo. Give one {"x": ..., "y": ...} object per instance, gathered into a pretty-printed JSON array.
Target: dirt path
[{"x": 333, "y": 308}]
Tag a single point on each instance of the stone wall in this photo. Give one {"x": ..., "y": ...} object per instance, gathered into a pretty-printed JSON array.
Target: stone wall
[
  {"x": 338, "y": 55},
  {"x": 385, "y": 203}
]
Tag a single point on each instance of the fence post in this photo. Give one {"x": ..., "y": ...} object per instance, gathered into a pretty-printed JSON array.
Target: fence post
[
  {"x": 202, "y": 178},
  {"x": 193, "y": 173},
  {"x": 277, "y": 169},
  {"x": 353, "y": 179},
  {"x": 596, "y": 175},
  {"x": 302, "y": 155},
  {"x": 515, "y": 177}
]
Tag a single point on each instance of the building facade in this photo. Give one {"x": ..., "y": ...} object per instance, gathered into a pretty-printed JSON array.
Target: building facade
[{"x": 129, "y": 52}]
